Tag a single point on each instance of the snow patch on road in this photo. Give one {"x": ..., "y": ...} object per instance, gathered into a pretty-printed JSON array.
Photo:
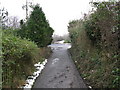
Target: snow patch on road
[
  {"x": 60, "y": 42},
  {"x": 55, "y": 60},
  {"x": 31, "y": 79},
  {"x": 89, "y": 86},
  {"x": 69, "y": 46},
  {"x": 58, "y": 47}
]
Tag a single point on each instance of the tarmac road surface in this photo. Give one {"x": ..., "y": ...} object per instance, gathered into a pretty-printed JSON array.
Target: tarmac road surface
[{"x": 60, "y": 71}]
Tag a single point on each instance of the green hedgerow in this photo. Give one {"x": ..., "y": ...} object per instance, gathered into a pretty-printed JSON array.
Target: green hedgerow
[{"x": 19, "y": 56}]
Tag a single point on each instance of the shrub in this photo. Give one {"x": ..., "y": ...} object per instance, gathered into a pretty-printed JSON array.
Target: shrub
[
  {"x": 98, "y": 65},
  {"x": 93, "y": 30},
  {"x": 18, "y": 58}
]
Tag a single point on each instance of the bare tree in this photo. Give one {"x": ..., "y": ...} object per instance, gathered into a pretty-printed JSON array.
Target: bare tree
[
  {"x": 3, "y": 17},
  {"x": 13, "y": 22}
]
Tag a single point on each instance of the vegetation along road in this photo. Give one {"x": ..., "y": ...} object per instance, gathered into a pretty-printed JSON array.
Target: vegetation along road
[
  {"x": 60, "y": 71},
  {"x": 94, "y": 37}
]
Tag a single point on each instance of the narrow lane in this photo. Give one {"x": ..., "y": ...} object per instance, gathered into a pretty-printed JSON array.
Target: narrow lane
[{"x": 60, "y": 71}]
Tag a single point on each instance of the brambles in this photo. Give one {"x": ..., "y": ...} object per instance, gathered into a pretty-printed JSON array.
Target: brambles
[
  {"x": 18, "y": 59},
  {"x": 19, "y": 56},
  {"x": 95, "y": 45}
]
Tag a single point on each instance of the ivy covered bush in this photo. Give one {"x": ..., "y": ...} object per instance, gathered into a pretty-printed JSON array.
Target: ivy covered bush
[
  {"x": 96, "y": 45},
  {"x": 19, "y": 56}
]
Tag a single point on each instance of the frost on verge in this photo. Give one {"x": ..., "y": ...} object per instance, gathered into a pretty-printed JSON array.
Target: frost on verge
[{"x": 31, "y": 79}]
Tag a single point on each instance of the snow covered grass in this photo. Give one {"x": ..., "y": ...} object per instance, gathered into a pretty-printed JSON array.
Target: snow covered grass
[{"x": 31, "y": 79}]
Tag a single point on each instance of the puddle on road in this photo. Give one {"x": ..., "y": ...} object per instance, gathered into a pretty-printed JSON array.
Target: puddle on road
[{"x": 55, "y": 60}]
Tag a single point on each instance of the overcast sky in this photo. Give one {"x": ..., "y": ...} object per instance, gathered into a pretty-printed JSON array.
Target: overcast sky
[{"x": 58, "y": 12}]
